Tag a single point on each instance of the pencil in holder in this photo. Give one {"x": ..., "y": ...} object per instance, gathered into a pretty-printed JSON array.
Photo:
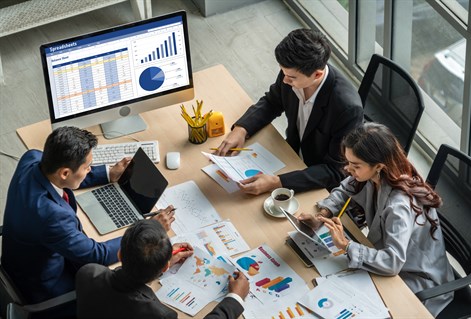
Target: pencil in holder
[{"x": 197, "y": 134}]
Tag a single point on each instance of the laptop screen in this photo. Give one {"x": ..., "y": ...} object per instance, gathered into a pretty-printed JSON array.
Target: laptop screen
[{"x": 142, "y": 182}]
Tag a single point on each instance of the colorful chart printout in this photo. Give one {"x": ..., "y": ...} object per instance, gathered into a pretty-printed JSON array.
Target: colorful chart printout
[{"x": 200, "y": 280}]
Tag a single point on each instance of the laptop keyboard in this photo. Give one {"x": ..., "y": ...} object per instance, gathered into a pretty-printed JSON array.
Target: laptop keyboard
[{"x": 115, "y": 205}]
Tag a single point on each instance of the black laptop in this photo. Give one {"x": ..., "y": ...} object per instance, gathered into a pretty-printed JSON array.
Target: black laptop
[{"x": 120, "y": 204}]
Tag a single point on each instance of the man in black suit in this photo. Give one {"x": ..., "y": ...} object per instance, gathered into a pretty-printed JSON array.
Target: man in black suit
[
  {"x": 321, "y": 106},
  {"x": 145, "y": 253}
]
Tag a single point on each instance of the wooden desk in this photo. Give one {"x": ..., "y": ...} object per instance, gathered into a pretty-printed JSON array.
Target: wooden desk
[{"x": 219, "y": 91}]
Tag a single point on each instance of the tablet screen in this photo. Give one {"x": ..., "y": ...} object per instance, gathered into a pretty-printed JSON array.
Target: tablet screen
[{"x": 300, "y": 226}]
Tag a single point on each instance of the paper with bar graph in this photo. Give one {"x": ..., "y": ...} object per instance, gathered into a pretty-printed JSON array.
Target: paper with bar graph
[
  {"x": 286, "y": 307},
  {"x": 200, "y": 280},
  {"x": 219, "y": 239},
  {"x": 324, "y": 235},
  {"x": 325, "y": 262},
  {"x": 336, "y": 298},
  {"x": 270, "y": 277}
]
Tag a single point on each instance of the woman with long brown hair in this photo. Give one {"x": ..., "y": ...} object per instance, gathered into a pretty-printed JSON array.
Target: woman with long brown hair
[{"x": 399, "y": 209}]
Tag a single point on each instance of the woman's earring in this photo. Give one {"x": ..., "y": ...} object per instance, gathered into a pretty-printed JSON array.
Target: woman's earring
[{"x": 379, "y": 174}]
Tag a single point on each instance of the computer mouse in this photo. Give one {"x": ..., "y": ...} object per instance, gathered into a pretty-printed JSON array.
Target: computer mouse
[{"x": 172, "y": 160}]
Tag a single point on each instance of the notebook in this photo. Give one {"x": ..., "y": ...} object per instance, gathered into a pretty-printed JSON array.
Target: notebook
[{"x": 120, "y": 204}]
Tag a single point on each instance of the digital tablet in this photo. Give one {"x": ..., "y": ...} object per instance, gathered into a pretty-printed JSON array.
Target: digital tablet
[{"x": 300, "y": 226}]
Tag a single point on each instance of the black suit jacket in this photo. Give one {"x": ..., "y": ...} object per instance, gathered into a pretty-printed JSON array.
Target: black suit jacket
[
  {"x": 104, "y": 293},
  {"x": 337, "y": 110}
]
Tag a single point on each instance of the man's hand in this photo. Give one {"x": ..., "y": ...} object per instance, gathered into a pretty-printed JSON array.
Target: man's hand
[
  {"x": 239, "y": 285},
  {"x": 166, "y": 217},
  {"x": 180, "y": 252},
  {"x": 118, "y": 169},
  {"x": 236, "y": 138},
  {"x": 259, "y": 184}
]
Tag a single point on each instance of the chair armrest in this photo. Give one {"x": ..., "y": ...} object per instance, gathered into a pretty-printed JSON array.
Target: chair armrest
[
  {"x": 51, "y": 303},
  {"x": 444, "y": 288}
]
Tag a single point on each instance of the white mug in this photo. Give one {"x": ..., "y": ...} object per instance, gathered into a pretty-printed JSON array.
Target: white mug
[{"x": 282, "y": 198}]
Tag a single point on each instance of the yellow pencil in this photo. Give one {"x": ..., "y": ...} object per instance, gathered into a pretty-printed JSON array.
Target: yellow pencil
[
  {"x": 344, "y": 207},
  {"x": 235, "y": 149}
]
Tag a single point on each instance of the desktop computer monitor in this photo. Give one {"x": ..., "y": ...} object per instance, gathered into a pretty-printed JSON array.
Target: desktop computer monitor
[{"x": 108, "y": 77}]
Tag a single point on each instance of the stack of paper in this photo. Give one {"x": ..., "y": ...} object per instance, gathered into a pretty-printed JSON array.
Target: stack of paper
[
  {"x": 227, "y": 171},
  {"x": 345, "y": 296}
]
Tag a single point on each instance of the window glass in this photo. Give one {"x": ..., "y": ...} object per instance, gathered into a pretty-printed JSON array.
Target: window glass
[
  {"x": 459, "y": 8},
  {"x": 332, "y": 16},
  {"x": 437, "y": 64},
  {"x": 370, "y": 32}
]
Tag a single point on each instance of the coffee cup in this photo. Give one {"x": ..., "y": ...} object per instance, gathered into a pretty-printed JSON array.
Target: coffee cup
[{"x": 282, "y": 198}]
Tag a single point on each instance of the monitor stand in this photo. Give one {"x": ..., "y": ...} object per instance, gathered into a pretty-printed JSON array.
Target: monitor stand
[{"x": 123, "y": 126}]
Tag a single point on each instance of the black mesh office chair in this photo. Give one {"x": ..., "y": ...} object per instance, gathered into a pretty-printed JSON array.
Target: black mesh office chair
[
  {"x": 13, "y": 305},
  {"x": 450, "y": 175},
  {"x": 391, "y": 97}
]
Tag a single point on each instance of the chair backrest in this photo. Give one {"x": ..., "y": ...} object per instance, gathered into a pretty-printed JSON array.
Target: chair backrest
[
  {"x": 450, "y": 176},
  {"x": 8, "y": 293},
  {"x": 390, "y": 96}
]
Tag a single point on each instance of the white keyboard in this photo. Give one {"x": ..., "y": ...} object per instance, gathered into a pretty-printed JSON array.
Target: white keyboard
[{"x": 113, "y": 153}]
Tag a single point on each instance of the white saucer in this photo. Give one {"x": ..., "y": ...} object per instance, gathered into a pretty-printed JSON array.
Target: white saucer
[{"x": 270, "y": 210}]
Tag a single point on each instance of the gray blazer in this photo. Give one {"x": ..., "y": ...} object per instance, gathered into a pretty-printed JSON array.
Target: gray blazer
[{"x": 401, "y": 245}]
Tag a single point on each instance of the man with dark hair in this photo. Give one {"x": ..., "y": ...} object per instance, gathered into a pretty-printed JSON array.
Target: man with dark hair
[
  {"x": 145, "y": 253},
  {"x": 321, "y": 107},
  {"x": 43, "y": 243}
]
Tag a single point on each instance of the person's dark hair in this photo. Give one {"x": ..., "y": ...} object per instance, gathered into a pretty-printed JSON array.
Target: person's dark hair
[
  {"x": 304, "y": 50},
  {"x": 145, "y": 251},
  {"x": 67, "y": 147},
  {"x": 374, "y": 143}
]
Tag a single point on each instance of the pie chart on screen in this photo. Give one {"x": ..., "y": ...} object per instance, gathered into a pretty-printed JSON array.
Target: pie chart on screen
[{"x": 151, "y": 78}]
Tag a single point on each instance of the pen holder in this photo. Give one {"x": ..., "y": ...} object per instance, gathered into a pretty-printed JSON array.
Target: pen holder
[{"x": 197, "y": 134}]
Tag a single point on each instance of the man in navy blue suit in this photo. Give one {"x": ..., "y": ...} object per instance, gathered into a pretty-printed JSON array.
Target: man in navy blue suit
[{"x": 43, "y": 243}]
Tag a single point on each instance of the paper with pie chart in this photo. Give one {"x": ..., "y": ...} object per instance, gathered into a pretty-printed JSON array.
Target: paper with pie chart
[
  {"x": 201, "y": 279},
  {"x": 335, "y": 298},
  {"x": 270, "y": 277},
  {"x": 248, "y": 163}
]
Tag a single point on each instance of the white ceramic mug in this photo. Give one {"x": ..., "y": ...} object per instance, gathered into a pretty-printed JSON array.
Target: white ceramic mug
[{"x": 282, "y": 198}]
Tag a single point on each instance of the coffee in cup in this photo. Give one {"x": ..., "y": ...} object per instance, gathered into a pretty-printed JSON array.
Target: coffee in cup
[{"x": 282, "y": 198}]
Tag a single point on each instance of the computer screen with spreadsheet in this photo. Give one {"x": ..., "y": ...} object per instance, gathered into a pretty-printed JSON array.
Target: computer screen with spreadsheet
[{"x": 108, "y": 77}]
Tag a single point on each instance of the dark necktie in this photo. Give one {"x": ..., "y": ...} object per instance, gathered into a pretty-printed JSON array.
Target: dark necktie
[{"x": 65, "y": 196}]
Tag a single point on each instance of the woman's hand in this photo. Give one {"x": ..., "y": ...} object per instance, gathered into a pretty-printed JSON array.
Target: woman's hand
[
  {"x": 312, "y": 220},
  {"x": 336, "y": 231}
]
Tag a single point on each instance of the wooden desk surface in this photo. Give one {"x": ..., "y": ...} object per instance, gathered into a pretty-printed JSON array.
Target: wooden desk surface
[{"x": 220, "y": 92}]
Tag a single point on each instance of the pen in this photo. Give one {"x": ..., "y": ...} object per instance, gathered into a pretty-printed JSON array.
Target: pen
[
  {"x": 233, "y": 149},
  {"x": 179, "y": 250},
  {"x": 344, "y": 207},
  {"x": 152, "y": 214}
]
